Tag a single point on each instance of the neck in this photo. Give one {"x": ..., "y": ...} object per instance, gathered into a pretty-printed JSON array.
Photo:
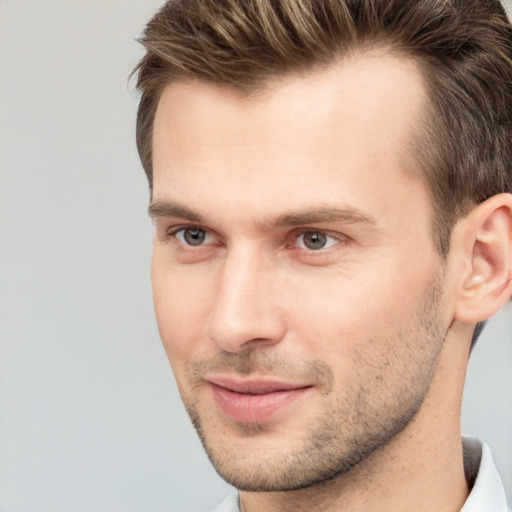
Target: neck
[
  {"x": 392, "y": 483},
  {"x": 421, "y": 469}
]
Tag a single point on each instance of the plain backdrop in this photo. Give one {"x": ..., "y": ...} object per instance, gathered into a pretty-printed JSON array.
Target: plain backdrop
[{"x": 90, "y": 417}]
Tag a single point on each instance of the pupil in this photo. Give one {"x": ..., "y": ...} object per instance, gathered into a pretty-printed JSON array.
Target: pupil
[
  {"x": 194, "y": 236},
  {"x": 315, "y": 240}
]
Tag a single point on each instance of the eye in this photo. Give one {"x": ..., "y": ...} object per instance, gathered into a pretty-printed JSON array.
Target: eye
[
  {"x": 315, "y": 240},
  {"x": 192, "y": 236}
]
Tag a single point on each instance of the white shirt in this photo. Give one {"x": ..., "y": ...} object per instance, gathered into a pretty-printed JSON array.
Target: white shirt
[{"x": 487, "y": 494}]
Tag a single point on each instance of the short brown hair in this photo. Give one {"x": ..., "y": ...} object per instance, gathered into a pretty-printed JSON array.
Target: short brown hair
[{"x": 464, "y": 48}]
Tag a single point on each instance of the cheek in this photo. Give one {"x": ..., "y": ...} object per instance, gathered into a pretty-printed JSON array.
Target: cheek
[
  {"x": 346, "y": 304},
  {"x": 182, "y": 309},
  {"x": 348, "y": 321}
]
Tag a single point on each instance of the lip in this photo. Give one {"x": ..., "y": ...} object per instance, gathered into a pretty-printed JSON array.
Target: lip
[{"x": 254, "y": 401}]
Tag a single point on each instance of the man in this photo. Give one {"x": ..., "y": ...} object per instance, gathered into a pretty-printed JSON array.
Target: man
[{"x": 331, "y": 190}]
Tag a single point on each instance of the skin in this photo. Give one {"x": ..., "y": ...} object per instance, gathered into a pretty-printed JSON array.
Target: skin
[{"x": 367, "y": 326}]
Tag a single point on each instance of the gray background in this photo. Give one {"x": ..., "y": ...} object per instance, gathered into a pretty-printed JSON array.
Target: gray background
[{"x": 90, "y": 418}]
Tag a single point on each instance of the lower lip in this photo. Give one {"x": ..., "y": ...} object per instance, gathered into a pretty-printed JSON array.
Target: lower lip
[{"x": 254, "y": 408}]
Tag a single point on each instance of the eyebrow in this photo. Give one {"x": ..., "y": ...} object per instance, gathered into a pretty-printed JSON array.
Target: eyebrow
[
  {"x": 347, "y": 215},
  {"x": 171, "y": 209}
]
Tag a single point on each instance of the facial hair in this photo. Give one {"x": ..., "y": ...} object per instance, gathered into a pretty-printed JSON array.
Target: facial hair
[{"x": 376, "y": 406}]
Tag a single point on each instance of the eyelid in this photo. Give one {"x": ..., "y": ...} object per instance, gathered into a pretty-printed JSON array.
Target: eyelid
[
  {"x": 338, "y": 237},
  {"x": 172, "y": 231}
]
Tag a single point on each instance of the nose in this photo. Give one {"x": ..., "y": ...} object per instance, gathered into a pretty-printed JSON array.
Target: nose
[{"x": 245, "y": 313}]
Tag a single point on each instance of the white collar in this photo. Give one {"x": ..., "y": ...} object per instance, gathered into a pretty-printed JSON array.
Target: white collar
[{"x": 487, "y": 494}]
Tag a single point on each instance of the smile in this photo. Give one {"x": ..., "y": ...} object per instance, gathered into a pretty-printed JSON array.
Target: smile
[{"x": 254, "y": 401}]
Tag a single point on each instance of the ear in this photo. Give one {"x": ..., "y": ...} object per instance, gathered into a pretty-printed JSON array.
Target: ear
[{"x": 485, "y": 239}]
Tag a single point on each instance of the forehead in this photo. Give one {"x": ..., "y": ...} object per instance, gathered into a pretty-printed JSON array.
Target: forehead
[{"x": 336, "y": 132}]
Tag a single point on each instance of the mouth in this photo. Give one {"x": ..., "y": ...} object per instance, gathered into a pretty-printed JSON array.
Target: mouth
[{"x": 254, "y": 401}]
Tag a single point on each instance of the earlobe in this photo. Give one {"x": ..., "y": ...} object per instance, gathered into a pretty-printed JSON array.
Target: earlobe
[{"x": 486, "y": 284}]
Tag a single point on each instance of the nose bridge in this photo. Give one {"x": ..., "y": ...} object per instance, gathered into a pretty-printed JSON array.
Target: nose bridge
[{"x": 243, "y": 313}]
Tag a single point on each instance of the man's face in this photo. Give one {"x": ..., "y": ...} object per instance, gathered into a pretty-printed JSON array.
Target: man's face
[{"x": 297, "y": 290}]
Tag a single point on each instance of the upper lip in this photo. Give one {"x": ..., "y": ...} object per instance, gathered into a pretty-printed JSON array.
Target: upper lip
[{"x": 254, "y": 386}]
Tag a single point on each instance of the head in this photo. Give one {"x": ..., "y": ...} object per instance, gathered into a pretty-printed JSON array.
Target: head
[
  {"x": 318, "y": 170},
  {"x": 463, "y": 49}
]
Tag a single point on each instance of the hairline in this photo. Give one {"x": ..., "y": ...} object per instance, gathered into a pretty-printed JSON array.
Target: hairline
[{"x": 418, "y": 138}]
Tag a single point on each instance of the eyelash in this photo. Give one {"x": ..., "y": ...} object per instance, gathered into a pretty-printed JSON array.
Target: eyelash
[
  {"x": 173, "y": 232},
  {"x": 329, "y": 238},
  {"x": 292, "y": 240}
]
